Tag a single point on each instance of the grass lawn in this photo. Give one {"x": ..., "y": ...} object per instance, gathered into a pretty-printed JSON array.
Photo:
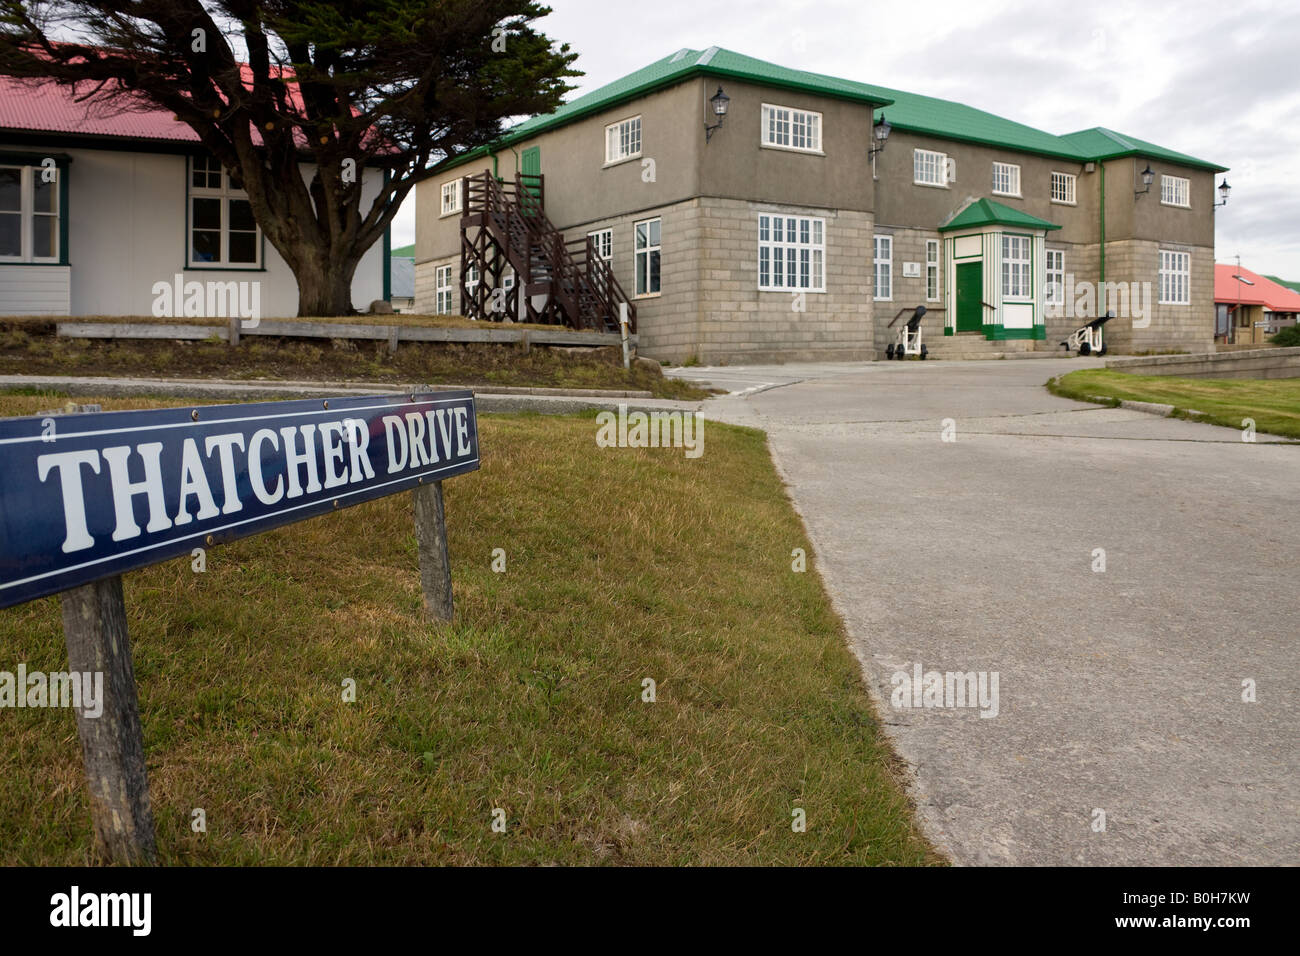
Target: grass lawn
[
  {"x": 1274, "y": 404},
  {"x": 33, "y": 349},
  {"x": 621, "y": 564}
]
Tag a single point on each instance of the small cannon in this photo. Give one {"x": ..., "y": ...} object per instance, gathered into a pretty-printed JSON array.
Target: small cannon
[
  {"x": 909, "y": 336},
  {"x": 1087, "y": 340}
]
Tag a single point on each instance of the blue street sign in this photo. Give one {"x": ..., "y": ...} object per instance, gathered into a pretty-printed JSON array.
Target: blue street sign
[{"x": 84, "y": 497}]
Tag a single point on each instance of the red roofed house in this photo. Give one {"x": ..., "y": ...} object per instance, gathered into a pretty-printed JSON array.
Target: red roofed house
[
  {"x": 1251, "y": 307},
  {"x": 97, "y": 208}
]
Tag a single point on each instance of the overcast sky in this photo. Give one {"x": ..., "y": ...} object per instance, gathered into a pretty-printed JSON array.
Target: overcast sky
[{"x": 1217, "y": 81}]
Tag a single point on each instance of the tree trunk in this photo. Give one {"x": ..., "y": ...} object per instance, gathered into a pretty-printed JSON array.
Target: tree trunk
[{"x": 324, "y": 289}]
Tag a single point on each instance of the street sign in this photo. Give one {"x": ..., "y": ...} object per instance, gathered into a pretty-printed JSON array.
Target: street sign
[{"x": 84, "y": 497}]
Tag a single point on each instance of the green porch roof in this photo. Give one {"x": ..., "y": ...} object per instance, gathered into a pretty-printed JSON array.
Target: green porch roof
[
  {"x": 1100, "y": 143},
  {"x": 1295, "y": 286},
  {"x": 985, "y": 212}
]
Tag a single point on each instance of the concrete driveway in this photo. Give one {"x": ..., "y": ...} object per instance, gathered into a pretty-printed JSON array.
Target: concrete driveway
[{"x": 1119, "y": 691}]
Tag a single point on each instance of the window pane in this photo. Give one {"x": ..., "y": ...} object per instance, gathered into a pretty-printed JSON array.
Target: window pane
[
  {"x": 640, "y": 235},
  {"x": 206, "y": 246},
  {"x": 243, "y": 247},
  {"x": 241, "y": 215},
  {"x": 207, "y": 214},
  {"x": 654, "y": 232},
  {"x": 11, "y": 182},
  {"x": 46, "y": 194},
  {"x": 654, "y": 271},
  {"x": 45, "y": 237},
  {"x": 11, "y": 234}
]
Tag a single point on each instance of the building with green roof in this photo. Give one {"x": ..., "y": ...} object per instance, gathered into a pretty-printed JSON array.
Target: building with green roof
[{"x": 740, "y": 210}]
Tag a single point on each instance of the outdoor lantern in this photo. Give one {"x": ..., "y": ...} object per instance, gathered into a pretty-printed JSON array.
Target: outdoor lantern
[
  {"x": 1148, "y": 177},
  {"x": 1224, "y": 189},
  {"x": 881, "y": 133},
  {"x": 719, "y": 101}
]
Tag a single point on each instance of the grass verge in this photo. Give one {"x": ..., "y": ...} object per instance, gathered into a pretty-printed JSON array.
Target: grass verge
[
  {"x": 621, "y": 565},
  {"x": 1274, "y": 404},
  {"x": 27, "y": 352}
]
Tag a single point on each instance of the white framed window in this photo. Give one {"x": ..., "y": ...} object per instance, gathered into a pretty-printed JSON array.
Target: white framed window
[
  {"x": 884, "y": 268},
  {"x": 471, "y": 280},
  {"x": 29, "y": 215},
  {"x": 932, "y": 270},
  {"x": 508, "y": 278},
  {"x": 647, "y": 247},
  {"x": 929, "y": 168},
  {"x": 1016, "y": 267},
  {"x": 1054, "y": 290},
  {"x": 451, "y": 200},
  {"x": 787, "y": 128},
  {"x": 442, "y": 290},
  {"x": 603, "y": 239},
  {"x": 223, "y": 232},
  {"x": 1006, "y": 179},
  {"x": 1175, "y": 191},
  {"x": 1175, "y": 277},
  {"x": 623, "y": 140},
  {"x": 791, "y": 253},
  {"x": 1063, "y": 188}
]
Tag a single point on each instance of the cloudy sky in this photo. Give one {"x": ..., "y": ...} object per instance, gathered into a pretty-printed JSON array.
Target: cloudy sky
[{"x": 1217, "y": 81}]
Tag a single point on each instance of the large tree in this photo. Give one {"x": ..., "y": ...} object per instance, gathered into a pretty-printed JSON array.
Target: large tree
[{"x": 270, "y": 84}]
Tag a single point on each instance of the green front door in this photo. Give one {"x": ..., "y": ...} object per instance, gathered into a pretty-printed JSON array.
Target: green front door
[{"x": 970, "y": 297}]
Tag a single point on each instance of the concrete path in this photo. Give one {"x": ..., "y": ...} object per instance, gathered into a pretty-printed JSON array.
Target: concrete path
[{"x": 1119, "y": 691}]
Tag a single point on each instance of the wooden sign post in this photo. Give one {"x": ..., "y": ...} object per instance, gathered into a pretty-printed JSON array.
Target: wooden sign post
[
  {"x": 74, "y": 518},
  {"x": 431, "y": 541},
  {"x": 112, "y": 744}
]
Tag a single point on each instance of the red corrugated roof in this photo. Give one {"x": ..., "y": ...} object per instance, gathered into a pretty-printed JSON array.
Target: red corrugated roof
[
  {"x": 1254, "y": 290},
  {"x": 47, "y": 107},
  {"x": 50, "y": 108}
]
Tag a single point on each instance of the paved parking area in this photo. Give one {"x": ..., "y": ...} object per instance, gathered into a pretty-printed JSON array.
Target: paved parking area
[{"x": 1119, "y": 691}]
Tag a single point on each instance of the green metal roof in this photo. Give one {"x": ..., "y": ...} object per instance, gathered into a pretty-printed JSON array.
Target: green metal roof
[
  {"x": 1100, "y": 143},
  {"x": 984, "y": 212},
  {"x": 909, "y": 111},
  {"x": 1294, "y": 286},
  {"x": 944, "y": 118},
  {"x": 683, "y": 64}
]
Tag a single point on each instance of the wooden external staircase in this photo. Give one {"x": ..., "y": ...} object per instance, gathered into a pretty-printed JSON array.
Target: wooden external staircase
[{"x": 556, "y": 282}]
